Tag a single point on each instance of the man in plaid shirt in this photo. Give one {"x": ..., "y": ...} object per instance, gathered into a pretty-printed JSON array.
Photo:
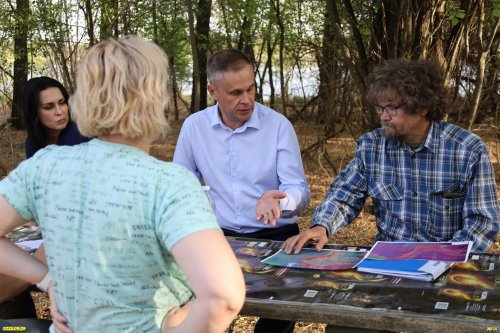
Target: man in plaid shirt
[{"x": 430, "y": 180}]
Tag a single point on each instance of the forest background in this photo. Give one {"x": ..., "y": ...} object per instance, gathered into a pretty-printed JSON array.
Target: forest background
[{"x": 311, "y": 60}]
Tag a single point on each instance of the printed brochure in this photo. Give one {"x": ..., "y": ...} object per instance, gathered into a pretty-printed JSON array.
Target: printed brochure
[{"x": 424, "y": 261}]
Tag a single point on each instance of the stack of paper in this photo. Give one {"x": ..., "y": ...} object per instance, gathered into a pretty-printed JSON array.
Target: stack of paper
[
  {"x": 30, "y": 245},
  {"x": 424, "y": 261}
]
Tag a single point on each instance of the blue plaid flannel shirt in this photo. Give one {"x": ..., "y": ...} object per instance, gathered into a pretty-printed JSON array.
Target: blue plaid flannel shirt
[{"x": 443, "y": 191}]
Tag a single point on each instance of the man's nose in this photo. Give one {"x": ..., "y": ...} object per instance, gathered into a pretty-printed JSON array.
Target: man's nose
[
  {"x": 245, "y": 98},
  {"x": 385, "y": 116}
]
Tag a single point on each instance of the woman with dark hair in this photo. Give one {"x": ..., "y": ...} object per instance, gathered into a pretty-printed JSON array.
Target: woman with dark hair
[
  {"x": 46, "y": 114},
  {"x": 47, "y": 119}
]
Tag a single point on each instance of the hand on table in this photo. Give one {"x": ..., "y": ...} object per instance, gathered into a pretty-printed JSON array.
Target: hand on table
[
  {"x": 295, "y": 243},
  {"x": 268, "y": 206}
]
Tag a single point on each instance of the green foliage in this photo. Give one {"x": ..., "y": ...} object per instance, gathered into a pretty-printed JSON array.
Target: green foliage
[
  {"x": 170, "y": 31},
  {"x": 6, "y": 39},
  {"x": 58, "y": 33},
  {"x": 496, "y": 8},
  {"x": 455, "y": 15}
]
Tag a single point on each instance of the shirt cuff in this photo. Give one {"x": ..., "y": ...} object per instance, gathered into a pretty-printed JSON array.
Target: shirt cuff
[
  {"x": 325, "y": 225},
  {"x": 284, "y": 203},
  {"x": 44, "y": 284},
  {"x": 293, "y": 203}
]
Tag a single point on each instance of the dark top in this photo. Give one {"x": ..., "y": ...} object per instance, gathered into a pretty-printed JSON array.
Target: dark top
[{"x": 69, "y": 136}]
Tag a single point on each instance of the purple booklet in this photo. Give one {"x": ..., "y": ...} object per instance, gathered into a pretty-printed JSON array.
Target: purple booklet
[
  {"x": 442, "y": 251},
  {"x": 311, "y": 259},
  {"x": 423, "y": 261}
]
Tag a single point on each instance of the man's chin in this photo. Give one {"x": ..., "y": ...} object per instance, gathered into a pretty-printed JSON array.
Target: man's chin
[
  {"x": 245, "y": 115},
  {"x": 390, "y": 134}
]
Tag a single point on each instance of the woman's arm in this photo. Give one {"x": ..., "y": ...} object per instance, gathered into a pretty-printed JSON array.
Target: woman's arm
[
  {"x": 11, "y": 286},
  {"x": 14, "y": 261},
  {"x": 213, "y": 271}
]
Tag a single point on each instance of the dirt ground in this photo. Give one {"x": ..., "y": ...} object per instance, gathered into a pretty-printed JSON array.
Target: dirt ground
[{"x": 318, "y": 173}]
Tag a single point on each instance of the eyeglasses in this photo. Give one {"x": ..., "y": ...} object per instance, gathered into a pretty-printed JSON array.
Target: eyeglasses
[{"x": 390, "y": 110}]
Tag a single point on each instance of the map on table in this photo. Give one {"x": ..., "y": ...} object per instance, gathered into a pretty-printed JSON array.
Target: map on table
[{"x": 311, "y": 259}]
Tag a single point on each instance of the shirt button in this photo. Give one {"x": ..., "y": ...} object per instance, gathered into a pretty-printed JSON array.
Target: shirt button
[
  {"x": 414, "y": 194},
  {"x": 413, "y": 156}
]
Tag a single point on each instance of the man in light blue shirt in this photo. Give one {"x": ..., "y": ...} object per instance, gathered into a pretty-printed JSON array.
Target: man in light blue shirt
[{"x": 249, "y": 156}]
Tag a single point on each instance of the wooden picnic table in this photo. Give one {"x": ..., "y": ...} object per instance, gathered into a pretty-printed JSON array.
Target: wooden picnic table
[{"x": 464, "y": 299}]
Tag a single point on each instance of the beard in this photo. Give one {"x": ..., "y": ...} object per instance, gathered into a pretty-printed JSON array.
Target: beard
[{"x": 391, "y": 132}]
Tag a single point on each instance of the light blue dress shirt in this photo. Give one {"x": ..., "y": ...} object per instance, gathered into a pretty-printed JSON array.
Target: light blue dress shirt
[{"x": 240, "y": 165}]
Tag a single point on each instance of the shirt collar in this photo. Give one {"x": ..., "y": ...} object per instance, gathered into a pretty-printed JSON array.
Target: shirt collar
[
  {"x": 253, "y": 122},
  {"x": 214, "y": 116},
  {"x": 433, "y": 137}
]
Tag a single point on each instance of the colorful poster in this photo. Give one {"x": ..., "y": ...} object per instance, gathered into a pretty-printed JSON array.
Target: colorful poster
[{"x": 311, "y": 259}]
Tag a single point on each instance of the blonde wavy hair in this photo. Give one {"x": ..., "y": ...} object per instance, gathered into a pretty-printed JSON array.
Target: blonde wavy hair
[{"x": 122, "y": 88}]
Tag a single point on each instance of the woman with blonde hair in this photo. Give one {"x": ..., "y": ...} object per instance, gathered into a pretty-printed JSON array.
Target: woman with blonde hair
[{"x": 131, "y": 241}]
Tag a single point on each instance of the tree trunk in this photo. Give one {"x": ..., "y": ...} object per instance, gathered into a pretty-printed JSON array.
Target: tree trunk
[
  {"x": 154, "y": 15},
  {"x": 20, "y": 63},
  {"x": 222, "y": 6},
  {"x": 174, "y": 88},
  {"x": 350, "y": 58},
  {"x": 195, "y": 92},
  {"x": 484, "y": 54},
  {"x": 90, "y": 22},
  {"x": 358, "y": 38},
  {"x": 202, "y": 44},
  {"x": 270, "y": 51},
  {"x": 279, "y": 19},
  {"x": 327, "y": 72},
  {"x": 63, "y": 46}
]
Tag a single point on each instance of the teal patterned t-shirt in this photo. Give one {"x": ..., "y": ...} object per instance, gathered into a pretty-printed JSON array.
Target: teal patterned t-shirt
[{"x": 109, "y": 215}]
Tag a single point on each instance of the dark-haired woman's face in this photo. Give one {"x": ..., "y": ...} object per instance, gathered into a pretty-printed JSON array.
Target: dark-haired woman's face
[{"x": 53, "y": 110}]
